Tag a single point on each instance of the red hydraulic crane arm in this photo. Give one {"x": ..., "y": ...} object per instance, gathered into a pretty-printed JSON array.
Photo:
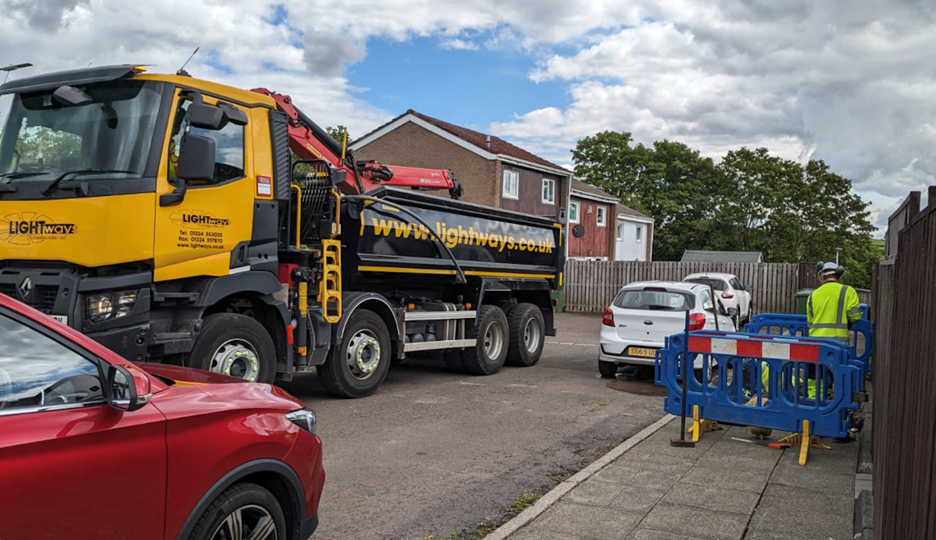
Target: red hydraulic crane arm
[{"x": 309, "y": 141}]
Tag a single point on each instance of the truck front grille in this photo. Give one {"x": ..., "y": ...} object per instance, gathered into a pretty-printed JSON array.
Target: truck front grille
[{"x": 42, "y": 297}]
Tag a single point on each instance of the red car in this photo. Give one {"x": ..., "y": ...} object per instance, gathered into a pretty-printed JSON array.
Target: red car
[{"x": 93, "y": 446}]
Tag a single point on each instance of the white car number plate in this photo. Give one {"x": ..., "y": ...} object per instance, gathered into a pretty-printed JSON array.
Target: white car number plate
[{"x": 60, "y": 318}]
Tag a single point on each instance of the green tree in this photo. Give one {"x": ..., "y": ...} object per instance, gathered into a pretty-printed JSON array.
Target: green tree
[
  {"x": 44, "y": 147},
  {"x": 338, "y": 133},
  {"x": 834, "y": 217},
  {"x": 754, "y": 185},
  {"x": 793, "y": 213}
]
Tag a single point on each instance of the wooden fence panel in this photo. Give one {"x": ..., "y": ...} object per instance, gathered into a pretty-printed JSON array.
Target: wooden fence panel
[
  {"x": 905, "y": 377},
  {"x": 592, "y": 285}
]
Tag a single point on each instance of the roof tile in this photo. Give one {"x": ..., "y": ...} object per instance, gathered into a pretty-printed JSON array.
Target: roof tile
[{"x": 497, "y": 145}]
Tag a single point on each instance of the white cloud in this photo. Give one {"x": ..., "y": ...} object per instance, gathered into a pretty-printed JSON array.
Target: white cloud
[
  {"x": 847, "y": 81},
  {"x": 47, "y": 15},
  {"x": 327, "y": 53},
  {"x": 238, "y": 46},
  {"x": 459, "y": 45},
  {"x": 841, "y": 81}
]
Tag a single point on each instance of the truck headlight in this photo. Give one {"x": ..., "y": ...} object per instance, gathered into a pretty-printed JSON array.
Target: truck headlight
[
  {"x": 303, "y": 418},
  {"x": 102, "y": 307}
]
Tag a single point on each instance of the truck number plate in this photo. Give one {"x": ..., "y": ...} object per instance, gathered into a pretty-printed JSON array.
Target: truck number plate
[
  {"x": 637, "y": 351},
  {"x": 60, "y": 318}
]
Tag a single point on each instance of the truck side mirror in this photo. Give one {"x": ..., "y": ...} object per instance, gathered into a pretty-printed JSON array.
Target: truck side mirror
[
  {"x": 196, "y": 162},
  {"x": 578, "y": 231},
  {"x": 206, "y": 117},
  {"x": 213, "y": 117},
  {"x": 196, "y": 157},
  {"x": 233, "y": 114}
]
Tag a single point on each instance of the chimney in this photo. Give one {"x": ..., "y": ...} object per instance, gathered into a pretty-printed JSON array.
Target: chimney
[{"x": 489, "y": 142}]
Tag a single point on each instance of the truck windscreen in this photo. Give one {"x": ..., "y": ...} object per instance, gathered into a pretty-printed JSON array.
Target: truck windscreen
[{"x": 43, "y": 138}]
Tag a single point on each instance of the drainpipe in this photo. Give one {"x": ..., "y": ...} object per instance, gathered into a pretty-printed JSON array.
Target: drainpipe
[
  {"x": 568, "y": 226},
  {"x": 651, "y": 235}
]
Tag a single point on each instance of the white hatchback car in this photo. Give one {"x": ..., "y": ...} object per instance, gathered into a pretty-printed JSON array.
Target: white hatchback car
[
  {"x": 733, "y": 294},
  {"x": 644, "y": 314}
]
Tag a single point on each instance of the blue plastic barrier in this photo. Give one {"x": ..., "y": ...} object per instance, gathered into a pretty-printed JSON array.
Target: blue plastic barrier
[
  {"x": 796, "y": 325},
  {"x": 739, "y": 395}
]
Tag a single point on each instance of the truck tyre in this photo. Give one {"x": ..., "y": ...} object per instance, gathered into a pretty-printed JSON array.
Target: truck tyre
[
  {"x": 241, "y": 511},
  {"x": 359, "y": 364},
  {"x": 527, "y": 335},
  {"x": 489, "y": 353},
  {"x": 235, "y": 345}
]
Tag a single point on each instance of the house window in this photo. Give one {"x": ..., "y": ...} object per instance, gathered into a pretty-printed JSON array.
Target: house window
[
  {"x": 573, "y": 212},
  {"x": 511, "y": 185},
  {"x": 639, "y": 233},
  {"x": 620, "y": 232},
  {"x": 601, "y": 216},
  {"x": 549, "y": 191}
]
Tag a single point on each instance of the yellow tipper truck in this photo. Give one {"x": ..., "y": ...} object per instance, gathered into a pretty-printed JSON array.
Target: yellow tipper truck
[{"x": 167, "y": 218}]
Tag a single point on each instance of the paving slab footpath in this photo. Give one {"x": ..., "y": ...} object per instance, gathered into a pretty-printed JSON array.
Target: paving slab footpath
[{"x": 721, "y": 489}]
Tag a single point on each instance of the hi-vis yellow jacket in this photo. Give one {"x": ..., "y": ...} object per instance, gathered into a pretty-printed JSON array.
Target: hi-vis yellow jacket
[{"x": 830, "y": 309}]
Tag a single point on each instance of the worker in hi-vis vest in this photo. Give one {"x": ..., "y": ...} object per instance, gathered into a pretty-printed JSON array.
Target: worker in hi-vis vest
[
  {"x": 830, "y": 311},
  {"x": 833, "y": 307}
]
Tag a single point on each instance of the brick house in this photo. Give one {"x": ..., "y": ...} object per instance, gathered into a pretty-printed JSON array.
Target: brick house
[
  {"x": 612, "y": 231},
  {"x": 492, "y": 171}
]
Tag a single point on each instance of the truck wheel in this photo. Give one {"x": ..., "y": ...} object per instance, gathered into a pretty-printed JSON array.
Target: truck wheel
[
  {"x": 527, "y": 335},
  {"x": 235, "y": 345},
  {"x": 359, "y": 364},
  {"x": 241, "y": 511},
  {"x": 608, "y": 370},
  {"x": 488, "y": 355}
]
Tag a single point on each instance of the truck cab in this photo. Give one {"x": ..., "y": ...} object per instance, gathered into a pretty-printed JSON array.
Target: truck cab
[{"x": 95, "y": 232}]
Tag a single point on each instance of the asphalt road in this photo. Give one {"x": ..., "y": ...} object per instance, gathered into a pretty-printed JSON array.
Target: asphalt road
[{"x": 433, "y": 452}]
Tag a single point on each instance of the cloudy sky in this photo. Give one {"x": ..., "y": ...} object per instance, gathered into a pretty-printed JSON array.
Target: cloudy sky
[{"x": 852, "y": 82}]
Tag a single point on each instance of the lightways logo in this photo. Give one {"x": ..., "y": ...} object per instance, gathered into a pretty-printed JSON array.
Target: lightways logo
[
  {"x": 28, "y": 228},
  {"x": 196, "y": 219}
]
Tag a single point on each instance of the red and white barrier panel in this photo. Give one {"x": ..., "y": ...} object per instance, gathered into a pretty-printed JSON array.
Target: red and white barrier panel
[{"x": 751, "y": 348}]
